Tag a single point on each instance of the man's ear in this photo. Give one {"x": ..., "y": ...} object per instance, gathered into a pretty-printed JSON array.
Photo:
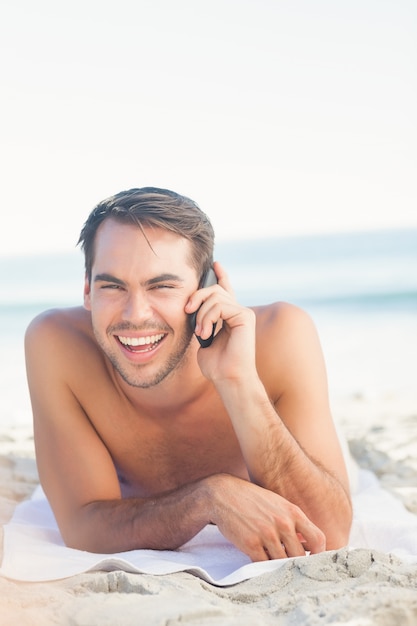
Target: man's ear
[{"x": 87, "y": 294}]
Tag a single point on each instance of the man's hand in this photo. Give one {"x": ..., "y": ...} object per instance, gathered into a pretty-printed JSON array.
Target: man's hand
[
  {"x": 232, "y": 353},
  {"x": 261, "y": 523}
]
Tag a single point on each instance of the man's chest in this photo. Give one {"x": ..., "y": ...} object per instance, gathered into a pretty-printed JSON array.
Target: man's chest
[{"x": 156, "y": 454}]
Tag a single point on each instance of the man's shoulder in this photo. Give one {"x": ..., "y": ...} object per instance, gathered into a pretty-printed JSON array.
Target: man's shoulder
[
  {"x": 60, "y": 322},
  {"x": 279, "y": 316},
  {"x": 285, "y": 334}
]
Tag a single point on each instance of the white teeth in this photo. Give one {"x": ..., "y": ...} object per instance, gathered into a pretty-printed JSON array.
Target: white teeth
[{"x": 140, "y": 341}]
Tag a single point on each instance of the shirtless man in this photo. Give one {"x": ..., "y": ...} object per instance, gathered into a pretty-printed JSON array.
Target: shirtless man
[{"x": 143, "y": 437}]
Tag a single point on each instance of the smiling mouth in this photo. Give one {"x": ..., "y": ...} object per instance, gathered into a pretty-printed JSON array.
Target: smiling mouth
[{"x": 141, "y": 344}]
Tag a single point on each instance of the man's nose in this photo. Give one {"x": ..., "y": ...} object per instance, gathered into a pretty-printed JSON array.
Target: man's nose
[{"x": 137, "y": 307}]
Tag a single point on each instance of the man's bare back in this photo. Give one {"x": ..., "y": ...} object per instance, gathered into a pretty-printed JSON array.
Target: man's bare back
[{"x": 135, "y": 423}]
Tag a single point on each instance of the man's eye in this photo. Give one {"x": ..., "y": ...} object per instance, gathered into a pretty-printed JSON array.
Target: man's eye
[{"x": 110, "y": 287}]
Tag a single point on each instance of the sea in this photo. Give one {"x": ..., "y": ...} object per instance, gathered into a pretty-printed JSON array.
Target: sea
[{"x": 360, "y": 289}]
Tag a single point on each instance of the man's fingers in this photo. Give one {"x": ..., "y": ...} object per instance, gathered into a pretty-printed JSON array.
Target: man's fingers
[
  {"x": 273, "y": 543},
  {"x": 283, "y": 548},
  {"x": 314, "y": 540},
  {"x": 279, "y": 550},
  {"x": 222, "y": 278},
  {"x": 292, "y": 546},
  {"x": 263, "y": 524},
  {"x": 301, "y": 536},
  {"x": 256, "y": 551}
]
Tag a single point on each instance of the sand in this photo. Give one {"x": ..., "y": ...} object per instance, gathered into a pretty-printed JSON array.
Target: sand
[{"x": 357, "y": 587}]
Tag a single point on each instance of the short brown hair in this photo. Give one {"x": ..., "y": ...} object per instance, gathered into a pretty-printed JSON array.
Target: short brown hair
[{"x": 151, "y": 206}]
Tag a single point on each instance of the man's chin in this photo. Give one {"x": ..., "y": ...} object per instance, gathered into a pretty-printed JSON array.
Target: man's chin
[{"x": 146, "y": 376}]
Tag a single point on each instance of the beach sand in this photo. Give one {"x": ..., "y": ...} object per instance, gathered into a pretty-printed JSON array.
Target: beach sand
[{"x": 358, "y": 588}]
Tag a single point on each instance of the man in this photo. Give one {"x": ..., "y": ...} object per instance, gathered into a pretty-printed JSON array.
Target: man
[{"x": 143, "y": 437}]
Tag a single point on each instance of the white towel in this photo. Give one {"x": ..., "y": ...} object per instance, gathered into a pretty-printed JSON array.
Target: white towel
[{"x": 34, "y": 550}]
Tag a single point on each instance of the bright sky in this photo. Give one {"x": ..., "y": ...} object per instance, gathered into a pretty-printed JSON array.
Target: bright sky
[{"x": 276, "y": 116}]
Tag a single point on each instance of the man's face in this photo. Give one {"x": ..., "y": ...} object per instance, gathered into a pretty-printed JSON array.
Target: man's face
[{"x": 137, "y": 297}]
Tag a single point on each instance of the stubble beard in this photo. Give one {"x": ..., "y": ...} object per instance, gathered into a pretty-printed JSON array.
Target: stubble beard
[{"x": 135, "y": 375}]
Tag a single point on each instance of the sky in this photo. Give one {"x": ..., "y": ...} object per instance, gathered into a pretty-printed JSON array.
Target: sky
[{"x": 279, "y": 117}]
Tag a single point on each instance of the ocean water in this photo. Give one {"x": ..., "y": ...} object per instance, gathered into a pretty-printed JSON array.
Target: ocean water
[{"x": 360, "y": 289}]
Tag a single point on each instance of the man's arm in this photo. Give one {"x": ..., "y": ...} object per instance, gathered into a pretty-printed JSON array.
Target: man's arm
[
  {"x": 290, "y": 445},
  {"x": 75, "y": 467}
]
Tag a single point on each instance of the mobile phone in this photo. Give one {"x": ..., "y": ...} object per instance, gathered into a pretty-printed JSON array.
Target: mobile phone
[{"x": 208, "y": 279}]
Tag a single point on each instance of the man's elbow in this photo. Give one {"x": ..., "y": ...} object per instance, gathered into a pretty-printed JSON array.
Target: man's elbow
[
  {"x": 85, "y": 541},
  {"x": 83, "y": 531},
  {"x": 338, "y": 537}
]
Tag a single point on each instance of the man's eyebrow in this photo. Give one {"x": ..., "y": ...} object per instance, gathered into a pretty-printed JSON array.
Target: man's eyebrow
[
  {"x": 108, "y": 278},
  {"x": 165, "y": 278}
]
